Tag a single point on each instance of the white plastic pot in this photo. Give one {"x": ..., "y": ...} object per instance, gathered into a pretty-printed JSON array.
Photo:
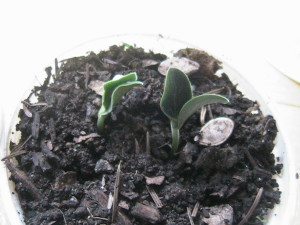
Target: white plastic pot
[{"x": 284, "y": 213}]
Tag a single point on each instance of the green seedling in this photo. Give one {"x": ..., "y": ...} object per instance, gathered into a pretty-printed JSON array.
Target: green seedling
[
  {"x": 178, "y": 103},
  {"x": 126, "y": 45},
  {"x": 113, "y": 92}
]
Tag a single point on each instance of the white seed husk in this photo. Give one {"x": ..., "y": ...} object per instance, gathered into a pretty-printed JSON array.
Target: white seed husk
[
  {"x": 184, "y": 64},
  {"x": 216, "y": 131}
]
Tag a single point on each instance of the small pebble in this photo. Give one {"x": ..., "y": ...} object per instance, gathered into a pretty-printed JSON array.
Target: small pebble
[{"x": 103, "y": 166}]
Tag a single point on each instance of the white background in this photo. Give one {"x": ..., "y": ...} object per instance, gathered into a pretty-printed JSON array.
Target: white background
[{"x": 33, "y": 33}]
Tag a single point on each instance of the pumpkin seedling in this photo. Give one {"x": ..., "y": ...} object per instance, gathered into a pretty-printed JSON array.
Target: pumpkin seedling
[
  {"x": 178, "y": 103},
  {"x": 113, "y": 92}
]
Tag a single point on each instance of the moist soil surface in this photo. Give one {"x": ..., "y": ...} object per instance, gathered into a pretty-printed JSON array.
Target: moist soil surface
[{"x": 66, "y": 170}]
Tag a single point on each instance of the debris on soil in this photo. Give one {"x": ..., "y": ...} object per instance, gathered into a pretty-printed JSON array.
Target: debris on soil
[
  {"x": 209, "y": 65},
  {"x": 146, "y": 213},
  {"x": 219, "y": 215},
  {"x": 97, "y": 86},
  {"x": 155, "y": 180},
  {"x": 86, "y": 137},
  {"x": 23, "y": 181},
  {"x": 65, "y": 179},
  {"x": 184, "y": 64},
  {"x": 215, "y": 132},
  {"x": 103, "y": 166},
  {"x": 68, "y": 173}
]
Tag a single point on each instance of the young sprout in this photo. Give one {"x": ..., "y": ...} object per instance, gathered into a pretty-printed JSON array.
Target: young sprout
[
  {"x": 126, "y": 45},
  {"x": 178, "y": 103},
  {"x": 113, "y": 92}
]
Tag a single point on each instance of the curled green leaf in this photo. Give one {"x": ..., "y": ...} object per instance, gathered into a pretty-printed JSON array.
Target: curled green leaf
[{"x": 113, "y": 92}]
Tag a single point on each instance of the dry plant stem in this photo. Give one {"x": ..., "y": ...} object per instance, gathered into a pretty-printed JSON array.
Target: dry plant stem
[
  {"x": 137, "y": 146},
  {"x": 229, "y": 92},
  {"x": 65, "y": 221},
  {"x": 155, "y": 197},
  {"x": 215, "y": 91},
  {"x": 148, "y": 148},
  {"x": 116, "y": 193},
  {"x": 56, "y": 67},
  {"x": 110, "y": 201},
  {"x": 95, "y": 217},
  {"x": 22, "y": 178},
  {"x": 12, "y": 155},
  {"x": 254, "y": 205},
  {"x": 47, "y": 80},
  {"x": 37, "y": 104},
  {"x": 19, "y": 147},
  {"x": 190, "y": 216},
  {"x": 87, "y": 75},
  {"x": 103, "y": 181},
  {"x": 202, "y": 115},
  {"x": 195, "y": 210}
]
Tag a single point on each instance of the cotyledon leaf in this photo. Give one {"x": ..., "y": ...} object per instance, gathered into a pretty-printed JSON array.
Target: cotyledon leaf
[
  {"x": 197, "y": 102},
  {"x": 117, "y": 95},
  {"x": 177, "y": 91},
  {"x": 110, "y": 86}
]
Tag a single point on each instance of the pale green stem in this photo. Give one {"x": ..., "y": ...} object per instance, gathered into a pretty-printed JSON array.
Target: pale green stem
[
  {"x": 100, "y": 122},
  {"x": 175, "y": 137}
]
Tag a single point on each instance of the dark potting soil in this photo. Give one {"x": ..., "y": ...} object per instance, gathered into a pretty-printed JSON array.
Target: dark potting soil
[{"x": 66, "y": 170}]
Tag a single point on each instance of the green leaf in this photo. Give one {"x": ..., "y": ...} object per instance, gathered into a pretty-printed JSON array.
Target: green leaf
[
  {"x": 113, "y": 91},
  {"x": 117, "y": 95},
  {"x": 126, "y": 45},
  {"x": 197, "y": 102},
  {"x": 177, "y": 92},
  {"x": 110, "y": 86}
]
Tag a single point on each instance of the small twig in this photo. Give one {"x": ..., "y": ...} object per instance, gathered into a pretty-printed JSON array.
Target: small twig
[
  {"x": 47, "y": 80},
  {"x": 20, "y": 176},
  {"x": 87, "y": 75},
  {"x": 202, "y": 115},
  {"x": 254, "y": 205},
  {"x": 190, "y": 216},
  {"x": 27, "y": 111},
  {"x": 39, "y": 104},
  {"x": 12, "y": 155},
  {"x": 137, "y": 147},
  {"x": 116, "y": 193},
  {"x": 19, "y": 147},
  {"x": 266, "y": 125},
  {"x": 95, "y": 217},
  {"x": 215, "y": 91},
  {"x": 195, "y": 210},
  {"x": 155, "y": 197},
  {"x": 148, "y": 149},
  {"x": 63, "y": 215},
  {"x": 110, "y": 201},
  {"x": 229, "y": 92},
  {"x": 103, "y": 181},
  {"x": 210, "y": 112},
  {"x": 250, "y": 158},
  {"x": 34, "y": 104},
  {"x": 56, "y": 67}
]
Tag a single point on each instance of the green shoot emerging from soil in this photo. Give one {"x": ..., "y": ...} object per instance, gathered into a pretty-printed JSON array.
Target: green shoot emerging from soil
[
  {"x": 113, "y": 92},
  {"x": 178, "y": 103}
]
